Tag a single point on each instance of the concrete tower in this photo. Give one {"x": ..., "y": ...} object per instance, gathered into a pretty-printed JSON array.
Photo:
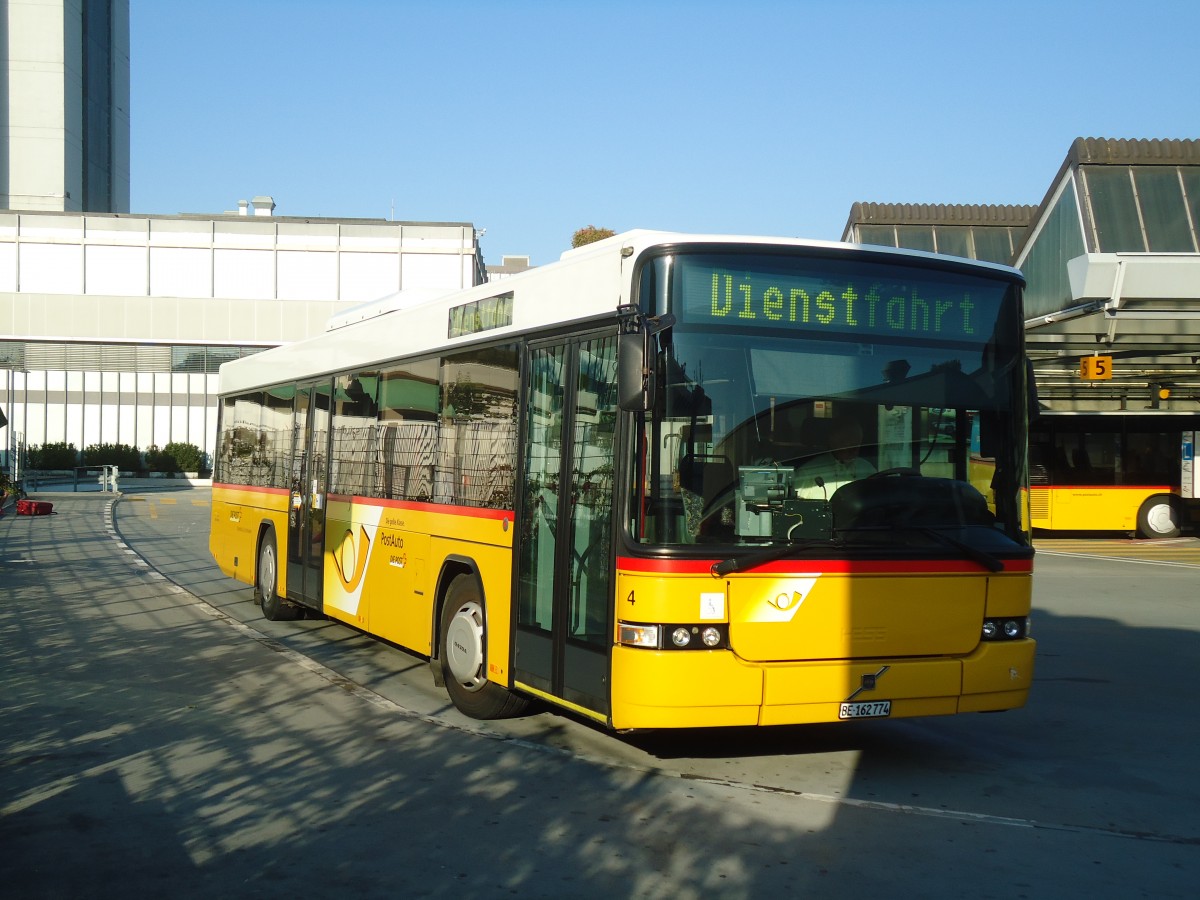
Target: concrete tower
[{"x": 64, "y": 105}]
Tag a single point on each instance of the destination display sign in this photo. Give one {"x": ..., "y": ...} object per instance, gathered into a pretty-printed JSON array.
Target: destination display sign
[{"x": 825, "y": 297}]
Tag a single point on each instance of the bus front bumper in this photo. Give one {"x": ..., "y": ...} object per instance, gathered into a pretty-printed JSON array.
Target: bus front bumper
[{"x": 696, "y": 689}]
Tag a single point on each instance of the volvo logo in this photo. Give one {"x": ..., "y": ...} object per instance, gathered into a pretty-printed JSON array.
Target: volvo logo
[{"x": 868, "y": 682}]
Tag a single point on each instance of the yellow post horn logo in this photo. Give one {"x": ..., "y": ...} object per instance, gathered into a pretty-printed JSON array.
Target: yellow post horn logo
[{"x": 352, "y": 565}]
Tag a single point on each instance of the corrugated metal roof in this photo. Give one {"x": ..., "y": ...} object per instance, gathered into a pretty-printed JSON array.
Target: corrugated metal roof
[
  {"x": 1108, "y": 151},
  {"x": 940, "y": 214}
]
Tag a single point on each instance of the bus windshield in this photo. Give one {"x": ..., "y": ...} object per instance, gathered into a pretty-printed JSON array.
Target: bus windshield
[{"x": 832, "y": 402}]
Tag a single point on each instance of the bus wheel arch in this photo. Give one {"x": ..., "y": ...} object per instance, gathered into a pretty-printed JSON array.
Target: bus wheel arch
[
  {"x": 461, "y": 647},
  {"x": 1160, "y": 516}
]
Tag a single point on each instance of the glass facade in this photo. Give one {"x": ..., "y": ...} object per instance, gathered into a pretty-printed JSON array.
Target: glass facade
[
  {"x": 141, "y": 395},
  {"x": 1114, "y": 214},
  {"x": 1045, "y": 266},
  {"x": 97, "y": 106},
  {"x": 1164, "y": 210},
  {"x": 990, "y": 243},
  {"x": 1138, "y": 209}
]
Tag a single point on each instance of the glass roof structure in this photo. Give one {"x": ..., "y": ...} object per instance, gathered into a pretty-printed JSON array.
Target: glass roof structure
[
  {"x": 1111, "y": 259},
  {"x": 1112, "y": 197},
  {"x": 1112, "y": 264},
  {"x": 989, "y": 233}
]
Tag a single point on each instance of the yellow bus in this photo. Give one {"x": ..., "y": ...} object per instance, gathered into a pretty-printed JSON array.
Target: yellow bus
[
  {"x": 623, "y": 483},
  {"x": 1114, "y": 471}
]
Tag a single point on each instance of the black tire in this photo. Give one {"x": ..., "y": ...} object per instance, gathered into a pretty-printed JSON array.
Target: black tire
[
  {"x": 1160, "y": 517},
  {"x": 463, "y": 658},
  {"x": 266, "y": 580}
]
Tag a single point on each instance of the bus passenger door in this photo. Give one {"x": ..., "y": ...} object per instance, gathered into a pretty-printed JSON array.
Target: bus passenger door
[
  {"x": 564, "y": 566},
  {"x": 306, "y": 513}
]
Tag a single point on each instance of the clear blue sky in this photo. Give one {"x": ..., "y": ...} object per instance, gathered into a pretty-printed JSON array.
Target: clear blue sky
[{"x": 533, "y": 118}]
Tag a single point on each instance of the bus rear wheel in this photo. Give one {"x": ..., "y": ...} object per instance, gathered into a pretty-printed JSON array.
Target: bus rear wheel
[
  {"x": 463, "y": 655},
  {"x": 266, "y": 579},
  {"x": 1160, "y": 517}
]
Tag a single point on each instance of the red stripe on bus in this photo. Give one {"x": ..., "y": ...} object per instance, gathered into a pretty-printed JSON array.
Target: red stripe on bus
[
  {"x": 1159, "y": 488},
  {"x": 791, "y": 566}
]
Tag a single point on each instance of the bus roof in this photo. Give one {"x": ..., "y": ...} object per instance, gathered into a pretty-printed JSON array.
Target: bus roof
[{"x": 587, "y": 283}]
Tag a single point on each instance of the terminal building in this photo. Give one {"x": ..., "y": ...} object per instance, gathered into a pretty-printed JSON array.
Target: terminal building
[
  {"x": 113, "y": 325},
  {"x": 64, "y": 105}
]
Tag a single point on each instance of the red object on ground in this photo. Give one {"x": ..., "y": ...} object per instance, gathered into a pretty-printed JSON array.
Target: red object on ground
[{"x": 34, "y": 508}]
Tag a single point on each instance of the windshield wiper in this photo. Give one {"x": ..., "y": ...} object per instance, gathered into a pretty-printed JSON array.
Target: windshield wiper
[
  {"x": 985, "y": 559},
  {"x": 762, "y": 557}
]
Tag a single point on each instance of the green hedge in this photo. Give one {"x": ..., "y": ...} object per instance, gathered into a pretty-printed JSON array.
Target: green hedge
[
  {"x": 124, "y": 457},
  {"x": 52, "y": 456},
  {"x": 175, "y": 457}
]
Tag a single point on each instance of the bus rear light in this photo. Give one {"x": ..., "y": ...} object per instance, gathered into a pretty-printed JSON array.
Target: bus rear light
[{"x": 1005, "y": 629}]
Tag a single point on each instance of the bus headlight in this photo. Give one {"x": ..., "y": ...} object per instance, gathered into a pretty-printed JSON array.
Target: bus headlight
[
  {"x": 1004, "y": 628},
  {"x": 673, "y": 636}
]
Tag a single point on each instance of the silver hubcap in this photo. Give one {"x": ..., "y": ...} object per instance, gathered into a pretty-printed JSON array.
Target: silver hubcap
[
  {"x": 464, "y": 646},
  {"x": 1160, "y": 518},
  {"x": 266, "y": 574}
]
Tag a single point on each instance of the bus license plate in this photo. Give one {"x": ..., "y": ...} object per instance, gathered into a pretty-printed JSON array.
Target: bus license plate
[{"x": 874, "y": 709}]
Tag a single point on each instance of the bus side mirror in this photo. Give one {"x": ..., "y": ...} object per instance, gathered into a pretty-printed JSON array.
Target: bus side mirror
[{"x": 635, "y": 376}]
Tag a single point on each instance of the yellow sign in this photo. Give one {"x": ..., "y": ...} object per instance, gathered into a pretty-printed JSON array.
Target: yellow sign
[{"x": 1095, "y": 368}]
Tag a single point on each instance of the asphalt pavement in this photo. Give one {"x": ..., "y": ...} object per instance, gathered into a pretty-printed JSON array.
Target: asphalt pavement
[{"x": 151, "y": 747}]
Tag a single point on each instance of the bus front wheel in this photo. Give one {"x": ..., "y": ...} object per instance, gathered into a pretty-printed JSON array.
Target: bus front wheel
[
  {"x": 463, "y": 655},
  {"x": 266, "y": 579},
  {"x": 1159, "y": 517}
]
